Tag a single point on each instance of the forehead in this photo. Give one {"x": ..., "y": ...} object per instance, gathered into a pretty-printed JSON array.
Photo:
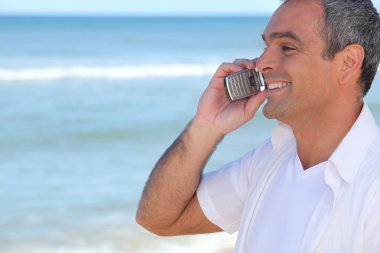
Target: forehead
[{"x": 302, "y": 17}]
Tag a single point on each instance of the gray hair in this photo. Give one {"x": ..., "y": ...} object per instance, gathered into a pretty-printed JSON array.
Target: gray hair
[
  {"x": 353, "y": 22},
  {"x": 349, "y": 22}
]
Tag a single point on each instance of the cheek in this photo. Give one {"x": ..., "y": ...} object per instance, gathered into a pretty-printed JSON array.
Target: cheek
[
  {"x": 307, "y": 72},
  {"x": 316, "y": 86}
]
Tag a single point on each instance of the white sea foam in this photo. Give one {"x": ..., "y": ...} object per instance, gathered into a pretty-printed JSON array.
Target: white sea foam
[
  {"x": 212, "y": 243},
  {"x": 106, "y": 72}
]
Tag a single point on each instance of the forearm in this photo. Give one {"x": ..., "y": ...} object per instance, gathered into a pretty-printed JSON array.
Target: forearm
[
  {"x": 169, "y": 204},
  {"x": 176, "y": 176}
]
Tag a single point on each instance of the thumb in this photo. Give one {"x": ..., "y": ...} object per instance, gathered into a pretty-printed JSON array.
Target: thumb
[{"x": 253, "y": 104}]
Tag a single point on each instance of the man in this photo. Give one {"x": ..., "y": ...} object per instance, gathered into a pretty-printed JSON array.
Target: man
[{"x": 315, "y": 185}]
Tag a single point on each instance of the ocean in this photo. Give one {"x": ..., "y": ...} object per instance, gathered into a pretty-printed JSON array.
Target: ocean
[{"x": 88, "y": 105}]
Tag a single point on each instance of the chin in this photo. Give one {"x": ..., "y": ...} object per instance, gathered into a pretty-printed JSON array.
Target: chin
[{"x": 271, "y": 112}]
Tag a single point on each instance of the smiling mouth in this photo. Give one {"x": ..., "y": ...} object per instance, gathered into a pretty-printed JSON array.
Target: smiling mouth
[{"x": 277, "y": 85}]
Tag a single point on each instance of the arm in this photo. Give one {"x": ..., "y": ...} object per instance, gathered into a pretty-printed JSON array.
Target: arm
[{"x": 169, "y": 205}]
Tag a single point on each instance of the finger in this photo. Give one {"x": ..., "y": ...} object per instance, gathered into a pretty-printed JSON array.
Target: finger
[
  {"x": 245, "y": 63},
  {"x": 226, "y": 69},
  {"x": 237, "y": 65},
  {"x": 253, "y": 104}
]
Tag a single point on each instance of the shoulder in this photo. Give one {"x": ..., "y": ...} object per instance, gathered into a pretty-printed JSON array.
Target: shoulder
[
  {"x": 254, "y": 157},
  {"x": 368, "y": 177},
  {"x": 375, "y": 147},
  {"x": 264, "y": 158},
  {"x": 371, "y": 163},
  {"x": 244, "y": 166}
]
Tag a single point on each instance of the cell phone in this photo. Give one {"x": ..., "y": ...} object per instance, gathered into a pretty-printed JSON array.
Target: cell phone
[{"x": 244, "y": 83}]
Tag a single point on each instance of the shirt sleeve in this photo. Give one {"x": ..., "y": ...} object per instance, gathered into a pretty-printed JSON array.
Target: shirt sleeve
[{"x": 221, "y": 193}]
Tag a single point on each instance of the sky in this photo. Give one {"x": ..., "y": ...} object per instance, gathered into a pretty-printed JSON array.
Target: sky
[
  {"x": 142, "y": 7},
  {"x": 138, "y": 7}
]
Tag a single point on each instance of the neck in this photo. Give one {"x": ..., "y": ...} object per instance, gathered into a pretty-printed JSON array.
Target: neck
[{"x": 318, "y": 135}]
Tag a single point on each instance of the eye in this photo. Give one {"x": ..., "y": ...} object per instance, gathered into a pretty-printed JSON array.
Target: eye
[{"x": 286, "y": 48}]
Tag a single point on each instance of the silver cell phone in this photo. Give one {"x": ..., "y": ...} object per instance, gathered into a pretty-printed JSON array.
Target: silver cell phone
[{"x": 244, "y": 83}]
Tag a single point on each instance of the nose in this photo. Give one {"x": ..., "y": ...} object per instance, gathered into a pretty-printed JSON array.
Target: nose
[{"x": 267, "y": 62}]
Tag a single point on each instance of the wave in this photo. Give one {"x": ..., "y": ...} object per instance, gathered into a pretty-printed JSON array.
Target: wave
[
  {"x": 118, "y": 241},
  {"x": 106, "y": 72}
]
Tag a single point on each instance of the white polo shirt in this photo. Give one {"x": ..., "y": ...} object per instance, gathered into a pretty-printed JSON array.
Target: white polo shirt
[{"x": 346, "y": 217}]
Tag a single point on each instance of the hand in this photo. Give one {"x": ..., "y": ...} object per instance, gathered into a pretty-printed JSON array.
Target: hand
[{"x": 216, "y": 111}]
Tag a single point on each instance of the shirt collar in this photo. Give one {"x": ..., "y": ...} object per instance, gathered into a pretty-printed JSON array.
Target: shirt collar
[
  {"x": 351, "y": 151},
  {"x": 281, "y": 134}
]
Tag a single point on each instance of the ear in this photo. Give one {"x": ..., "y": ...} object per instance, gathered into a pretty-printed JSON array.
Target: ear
[{"x": 352, "y": 57}]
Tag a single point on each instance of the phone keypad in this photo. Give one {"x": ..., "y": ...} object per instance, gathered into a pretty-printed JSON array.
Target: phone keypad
[{"x": 243, "y": 84}]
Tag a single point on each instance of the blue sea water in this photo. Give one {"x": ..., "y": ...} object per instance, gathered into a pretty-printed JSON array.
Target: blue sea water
[{"x": 87, "y": 106}]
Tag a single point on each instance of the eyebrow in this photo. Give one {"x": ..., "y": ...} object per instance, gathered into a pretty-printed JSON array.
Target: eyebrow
[{"x": 280, "y": 35}]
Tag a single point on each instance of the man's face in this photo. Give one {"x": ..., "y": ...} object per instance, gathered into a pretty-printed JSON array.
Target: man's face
[{"x": 293, "y": 60}]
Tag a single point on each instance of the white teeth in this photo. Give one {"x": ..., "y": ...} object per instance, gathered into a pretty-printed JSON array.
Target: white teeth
[{"x": 277, "y": 85}]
